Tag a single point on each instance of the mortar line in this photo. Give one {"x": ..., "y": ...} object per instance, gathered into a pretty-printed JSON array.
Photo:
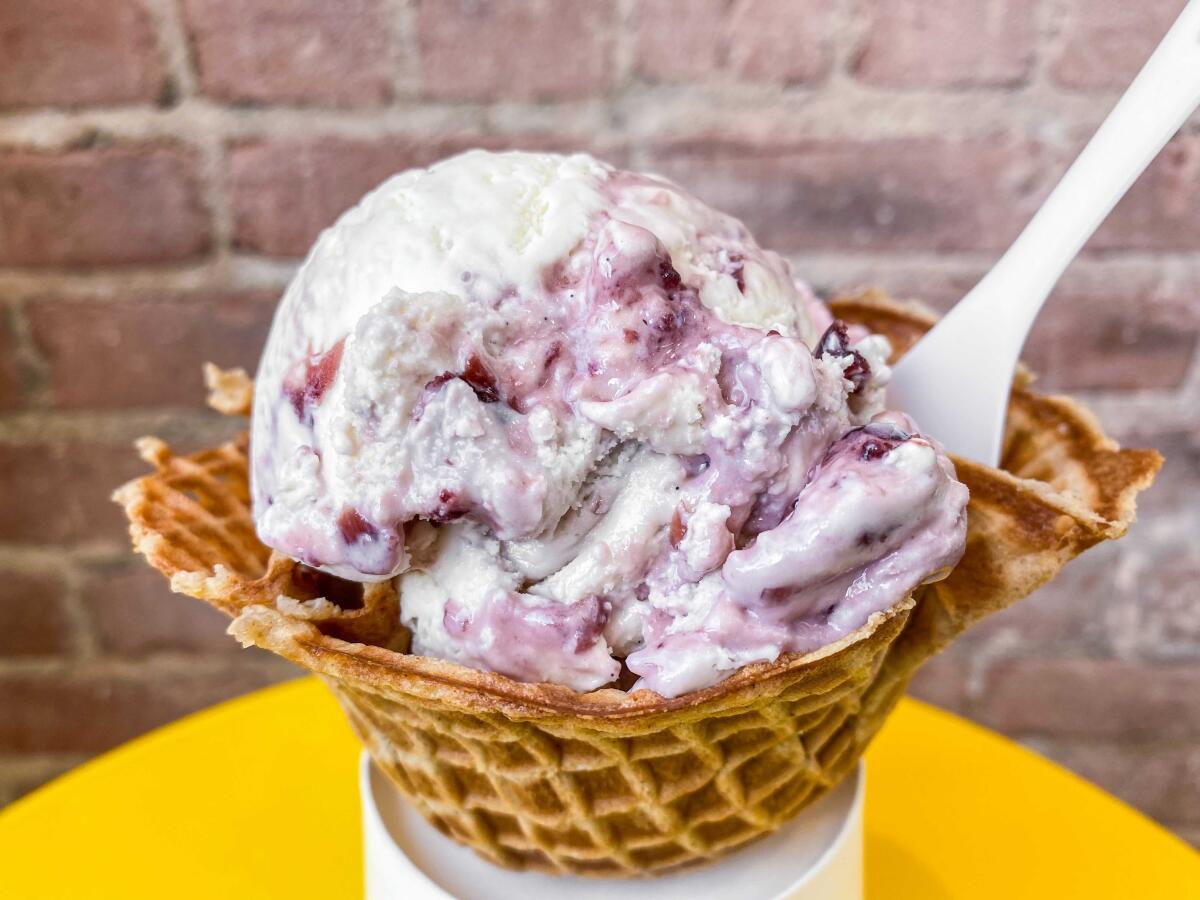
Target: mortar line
[
  {"x": 84, "y": 638},
  {"x": 403, "y": 51},
  {"x": 173, "y": 43},
  {"x": 33, "y": 371}
]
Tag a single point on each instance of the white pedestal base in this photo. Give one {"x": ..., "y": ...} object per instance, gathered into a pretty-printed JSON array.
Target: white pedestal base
[{"x": 816, "y": 855}]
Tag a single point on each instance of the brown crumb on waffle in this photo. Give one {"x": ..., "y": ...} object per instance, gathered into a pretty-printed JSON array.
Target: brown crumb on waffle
[{"x": 536, "y": 776}]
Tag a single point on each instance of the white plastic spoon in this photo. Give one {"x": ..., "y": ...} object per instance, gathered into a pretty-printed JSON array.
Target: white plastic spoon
[{"x": 955, "y": 382}]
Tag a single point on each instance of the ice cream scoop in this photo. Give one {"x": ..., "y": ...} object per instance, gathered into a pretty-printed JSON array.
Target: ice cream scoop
[{"x": 588, "y": 423}]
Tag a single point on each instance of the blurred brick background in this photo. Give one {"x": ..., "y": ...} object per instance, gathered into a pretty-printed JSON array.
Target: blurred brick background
[{"x": 163, "y": 165}]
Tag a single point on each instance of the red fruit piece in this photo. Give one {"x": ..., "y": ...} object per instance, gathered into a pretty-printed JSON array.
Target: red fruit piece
[
  {"x": 868, "y": 442},
  {"x": 872, "y": 450},
  {"x": 678, "y": 529},
  {"x": 668, "y": 275},
  {"x": 319, "y": 371},
  {"x": 354, "y": 527},
  {"x": 450, "y": 507},
  {"x": 836, "y": 342},
  {"x": 477, "y": 376},
  {"x": 481, "y": 380},
  {"x": 579, "y": 624}
]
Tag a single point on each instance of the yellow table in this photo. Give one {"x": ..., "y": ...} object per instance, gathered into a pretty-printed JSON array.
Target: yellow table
[{"x": 257, "y": 798}]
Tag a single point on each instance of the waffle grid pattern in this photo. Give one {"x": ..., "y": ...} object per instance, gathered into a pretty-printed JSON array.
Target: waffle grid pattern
[
  {"x": 531, "y": 795},
  {"x": 539, "y": 777},
  {"x": 200, "y": 506},
  {"x": 548, "y": 794}
]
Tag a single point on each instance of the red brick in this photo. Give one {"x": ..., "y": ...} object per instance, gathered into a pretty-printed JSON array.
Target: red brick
[
  {"x": 501, "y": 49},
  {"x": 1074, "y": 613},
  {"x": 779, "y": 40},
  {"x": 303, "y": 51},
  {"x": 59, "y": 492},
  {"x": 905, "y": 194},
  {"x": 1106, "y": 42},
  {"x": 1162, "y": 209},
  {"x": 1157, "y": 565},
  {"x": 1181, "y": 447},
  {"x": 77, "y": 52},
  {"x": 32, "y": 619},
  {"x": 284, "y": 192},
  {"x": 1167, "y": 511},
  {"x": 1162, "y": 780},
  {"x": 1168, "y": 620},
  {"x": 10, "y": 381},
  {"x": 679, "y": 40},
  {"x": 943, "y": 681},
  {"x": 146, "y": 351},
  {"x": 105, "y": 205},
  {"x": 1092, "y": 698},
  {"x": 1109, "y": 337},
  {"x": 134, "y": 612},
  {"x": 86, "y": 711},
  {"x": 947, "y": 43}
]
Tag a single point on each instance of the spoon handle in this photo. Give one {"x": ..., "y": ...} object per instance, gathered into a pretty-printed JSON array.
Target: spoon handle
[
  {"x": 956, "y": 380},
  {"x": 1158, "y": 102}
]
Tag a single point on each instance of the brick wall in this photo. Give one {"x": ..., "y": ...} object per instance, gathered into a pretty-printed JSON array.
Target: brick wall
[{"x": 164, "y": 163}]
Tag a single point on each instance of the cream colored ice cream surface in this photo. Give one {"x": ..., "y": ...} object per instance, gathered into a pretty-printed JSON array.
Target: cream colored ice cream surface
[{"x": 588, "y": 423}]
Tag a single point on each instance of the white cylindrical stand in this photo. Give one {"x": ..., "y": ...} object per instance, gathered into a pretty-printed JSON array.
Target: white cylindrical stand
[{"x": 816, "y": 855}]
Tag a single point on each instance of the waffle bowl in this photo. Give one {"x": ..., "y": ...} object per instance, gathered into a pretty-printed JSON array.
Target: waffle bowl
[{"x": 537, "y": 776}]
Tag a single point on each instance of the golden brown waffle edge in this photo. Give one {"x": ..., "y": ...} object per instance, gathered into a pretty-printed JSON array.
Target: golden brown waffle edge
[{"x": 541, "y": 777}]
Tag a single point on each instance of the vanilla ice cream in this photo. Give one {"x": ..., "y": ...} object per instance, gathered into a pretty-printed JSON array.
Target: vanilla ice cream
[{"x": 587, "y": 422}]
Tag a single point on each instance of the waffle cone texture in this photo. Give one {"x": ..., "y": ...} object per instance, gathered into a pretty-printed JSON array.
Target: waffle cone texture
[{"x": 537, "y": 776}]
